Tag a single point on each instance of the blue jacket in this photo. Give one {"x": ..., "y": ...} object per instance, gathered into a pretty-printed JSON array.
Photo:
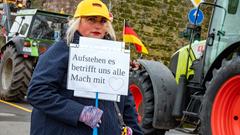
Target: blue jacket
[{"x": 56, "y": 111}]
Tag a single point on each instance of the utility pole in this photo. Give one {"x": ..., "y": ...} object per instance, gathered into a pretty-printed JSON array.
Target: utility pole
[
  {"x": 110, "y": 6},
  {"x": 105, "y": 1}
]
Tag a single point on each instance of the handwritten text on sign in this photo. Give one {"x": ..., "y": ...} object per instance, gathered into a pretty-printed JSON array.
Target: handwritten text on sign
[{"x": 98, "y": 70}]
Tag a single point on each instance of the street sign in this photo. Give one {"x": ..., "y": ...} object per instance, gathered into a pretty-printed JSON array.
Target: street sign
[
  {"x": 194, "y": 18},
  {"x": 197, "y": 2}
]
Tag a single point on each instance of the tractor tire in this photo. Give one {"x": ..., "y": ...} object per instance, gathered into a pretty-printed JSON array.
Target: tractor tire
[
  {"x": 220, "y": 113},
  {"x": 15, "y": 73},
  {"x": 141, "y": 88}
]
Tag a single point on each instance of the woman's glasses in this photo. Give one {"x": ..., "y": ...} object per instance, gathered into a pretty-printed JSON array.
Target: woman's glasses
[{"x": 96, "y": 19}]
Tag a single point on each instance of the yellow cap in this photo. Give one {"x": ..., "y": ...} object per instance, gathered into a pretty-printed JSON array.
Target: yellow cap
[{"x": 92, "y": 8}]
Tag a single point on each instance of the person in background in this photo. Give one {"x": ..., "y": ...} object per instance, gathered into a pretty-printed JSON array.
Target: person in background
[{"x": 55, "y": 110}]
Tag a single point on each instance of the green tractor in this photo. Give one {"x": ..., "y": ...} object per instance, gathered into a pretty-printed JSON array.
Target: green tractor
[
  {"x": 31, "y": 34},
  {"x": 196, "y": 94}
]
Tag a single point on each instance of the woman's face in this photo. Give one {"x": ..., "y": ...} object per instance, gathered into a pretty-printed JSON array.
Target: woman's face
[{"x": 93, "y": 26}]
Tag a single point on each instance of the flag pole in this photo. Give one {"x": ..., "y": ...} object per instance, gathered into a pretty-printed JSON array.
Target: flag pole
[
  {"x": 124, "y": 23},
  {"x": 95, "y": 130}
]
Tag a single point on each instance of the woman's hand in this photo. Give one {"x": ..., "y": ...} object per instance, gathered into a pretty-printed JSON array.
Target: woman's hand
[{"x": 91, "y": 116}]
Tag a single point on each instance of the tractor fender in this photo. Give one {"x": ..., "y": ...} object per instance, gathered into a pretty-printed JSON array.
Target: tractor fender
[
  {"x": 16, "y": 42},
  {"x": 164, "y": 90}
]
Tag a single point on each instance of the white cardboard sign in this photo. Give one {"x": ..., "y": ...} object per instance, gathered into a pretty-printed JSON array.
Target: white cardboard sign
[{"x": 97, "y": 65}]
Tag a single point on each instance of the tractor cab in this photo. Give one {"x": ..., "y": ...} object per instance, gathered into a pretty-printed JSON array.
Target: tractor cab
[
  {"x": 224, "y": 32},
  {"x": 34, "y": 31},
  {"x": 28, "y": 34},
  {"x": 37, "y": 24}
]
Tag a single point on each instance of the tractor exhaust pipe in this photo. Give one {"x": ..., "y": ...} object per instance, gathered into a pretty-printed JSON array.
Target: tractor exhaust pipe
[
  {"x": 7, "y": 17},
  {"x": 180, "y": 97}
]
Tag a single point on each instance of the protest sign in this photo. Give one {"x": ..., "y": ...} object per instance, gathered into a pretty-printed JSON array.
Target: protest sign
[{"x": 97, "y": 65}]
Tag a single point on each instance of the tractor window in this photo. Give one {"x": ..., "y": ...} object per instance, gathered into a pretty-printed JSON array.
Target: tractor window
[
  {"x": 233, "y": 6},
  {"x": 47, "y": 27},
  {"x": 15, "y": 26},
  {"x": 24, "y": 29},
  {"x": 19, "y": 25},
  {"x": 25, "y": 22}
]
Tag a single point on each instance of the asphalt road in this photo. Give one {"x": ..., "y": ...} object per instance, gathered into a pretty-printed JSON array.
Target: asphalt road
[{"x": 15, "y": 119}]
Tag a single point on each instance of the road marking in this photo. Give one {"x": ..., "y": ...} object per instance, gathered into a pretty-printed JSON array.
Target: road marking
[
  {"x": 16, "y": 106},
  {"x": 7, "y": 114}
]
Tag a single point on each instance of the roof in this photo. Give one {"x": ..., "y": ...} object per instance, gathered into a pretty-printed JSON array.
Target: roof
[{"x": 34, "y": 11}]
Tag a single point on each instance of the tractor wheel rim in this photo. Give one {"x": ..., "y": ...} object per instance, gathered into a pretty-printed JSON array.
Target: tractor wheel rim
[
  {"x": 7, "y": 74},
  {"x": 137, "y": 95},
  {"x": 225, "y": 117}
]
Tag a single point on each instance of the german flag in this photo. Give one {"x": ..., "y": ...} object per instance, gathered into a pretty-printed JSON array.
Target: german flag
[{"x": 130, "y": 36}]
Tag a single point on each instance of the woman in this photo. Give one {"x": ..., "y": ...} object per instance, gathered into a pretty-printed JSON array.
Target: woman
[{"x": 56, "y": 110}]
